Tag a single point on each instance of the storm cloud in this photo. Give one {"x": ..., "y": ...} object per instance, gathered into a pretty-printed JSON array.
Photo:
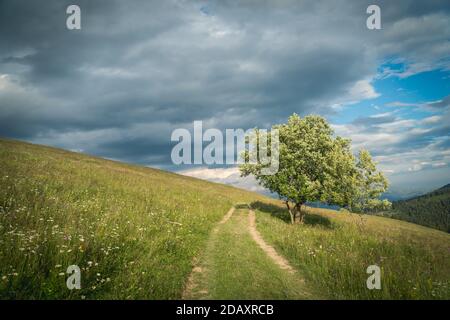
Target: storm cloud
[{"x": 139, "y": 69}]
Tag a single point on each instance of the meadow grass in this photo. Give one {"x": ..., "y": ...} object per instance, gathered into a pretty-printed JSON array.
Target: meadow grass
[
  {"x": 133, "y": 231},
  {"x": 333, "y": 250},
  {"x": 234, "y": 267}
]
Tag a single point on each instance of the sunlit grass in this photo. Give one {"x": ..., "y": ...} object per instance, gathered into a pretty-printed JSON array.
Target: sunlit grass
[
  {"x": 233, "y": 266},
  {"x": 133, "y": 231},
  {"x": 334, "y": 249}
]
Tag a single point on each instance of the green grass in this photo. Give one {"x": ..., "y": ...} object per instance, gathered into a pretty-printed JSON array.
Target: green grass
[
  {"x": 333, "y": 250},
  {"x": 135, "y": 233},
  {"x": 234, "y": 267}
]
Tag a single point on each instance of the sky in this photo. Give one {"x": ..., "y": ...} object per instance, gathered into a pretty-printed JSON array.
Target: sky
[{"x": 137, "y": 70}]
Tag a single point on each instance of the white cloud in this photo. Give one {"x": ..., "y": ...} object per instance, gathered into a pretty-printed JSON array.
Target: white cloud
[
  {"x": 229, "y": 176},
  {"x": 359, "y": 91},
  {"x": 403, "y": 146},
  {"x": 439, "y": 164},
  {"x": 362, "y": 90},
  {"x": 431, "y": 120}
]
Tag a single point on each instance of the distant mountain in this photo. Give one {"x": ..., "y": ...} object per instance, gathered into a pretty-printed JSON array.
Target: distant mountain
[
  {"x": 404, "y": 193},
  {"x": 445, "y": 188},
  {"x": 431, "y": 209}
]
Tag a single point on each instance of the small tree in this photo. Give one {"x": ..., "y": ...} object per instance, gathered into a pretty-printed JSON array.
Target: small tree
[
  {"x": 316, "y": 166},
  {"x": 369, "y": 185}
]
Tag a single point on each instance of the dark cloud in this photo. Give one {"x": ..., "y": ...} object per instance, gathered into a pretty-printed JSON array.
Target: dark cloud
[
  {"x": 441, "y": 104},
  {"x": 371, "y": 122},
  {"x": 139, "y": 69}
]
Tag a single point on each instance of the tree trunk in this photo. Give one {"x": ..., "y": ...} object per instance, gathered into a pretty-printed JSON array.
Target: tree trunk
[
  {"x": 303, "y": 212},
  {"x": 291, "y": 213},
  {"x": 296, "y": 212},
  {"x": 299, "y": 213}
]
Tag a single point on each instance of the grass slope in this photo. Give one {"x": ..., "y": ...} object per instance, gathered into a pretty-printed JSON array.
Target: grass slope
[
  {"x": 333, "y": 250},
  {"x": 135, "y": 231}
]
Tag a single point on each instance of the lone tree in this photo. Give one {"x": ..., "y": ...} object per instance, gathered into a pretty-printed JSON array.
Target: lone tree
[{"x": 314, "y": 165}]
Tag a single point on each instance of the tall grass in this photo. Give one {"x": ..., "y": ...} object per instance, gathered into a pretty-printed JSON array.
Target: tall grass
[
  {"x": 233, "y": 266},
  {"x": 133, "y": 231},
  {"x": 333, "y": 251}
]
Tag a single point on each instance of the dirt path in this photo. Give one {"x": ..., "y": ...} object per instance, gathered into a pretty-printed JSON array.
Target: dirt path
[
  {"x": 224, "y": 219},
  {"x": 237, "y": 263},
  {"x": 192, "y": 283},
  {"x": 268, "y": 249}
]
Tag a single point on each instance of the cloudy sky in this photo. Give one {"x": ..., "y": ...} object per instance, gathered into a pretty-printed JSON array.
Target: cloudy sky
[{"x": 137, "y": 70}]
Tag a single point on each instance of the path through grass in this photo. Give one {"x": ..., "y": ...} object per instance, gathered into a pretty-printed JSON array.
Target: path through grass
[
  {"x": 233, "y": 266},
  {"x": 133, "y": 231},
  {"x": 334, "y": 249}
]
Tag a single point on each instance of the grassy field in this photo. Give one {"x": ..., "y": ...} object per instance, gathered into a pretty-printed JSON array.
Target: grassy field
[
  {"x": 234, "y": 267},
  {"x": 135, "y": 233},
  {"x": 334, "y": 249}
]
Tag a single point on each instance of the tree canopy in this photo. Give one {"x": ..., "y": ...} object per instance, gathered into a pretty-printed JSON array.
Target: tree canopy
[{"x": 317, "y": 166}]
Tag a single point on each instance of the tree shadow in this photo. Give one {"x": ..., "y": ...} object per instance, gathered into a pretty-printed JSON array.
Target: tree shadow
[
  {"x": 241, "y": 206},
  {"x": 315, "y": 219},
  {"x": 282, "y": 214},
  {"x": 273, "y": 210}
]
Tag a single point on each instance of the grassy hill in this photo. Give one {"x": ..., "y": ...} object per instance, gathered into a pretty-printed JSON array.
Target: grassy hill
[
  {"x": 132, "y": 230},
  {"x": 431, "y": 209},
  {"x": 136, "y": 232}
]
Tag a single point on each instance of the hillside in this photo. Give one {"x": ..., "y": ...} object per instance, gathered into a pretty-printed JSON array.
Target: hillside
[
  {"x": 134, "y": 230},
  {"x": 431, "y": 209},
  {"x": 137, "y": 233}
]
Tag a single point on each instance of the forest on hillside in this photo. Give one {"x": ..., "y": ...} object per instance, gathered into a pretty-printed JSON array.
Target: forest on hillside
[{"x": 431, "y": 209}]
